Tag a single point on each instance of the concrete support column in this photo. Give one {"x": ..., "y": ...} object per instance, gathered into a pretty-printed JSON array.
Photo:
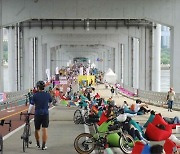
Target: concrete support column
[
  {"x": 122, "y": 63},
  {"x": 113, "y": 59},
  {"x": 1, "y": 56},
  {"x": 118, "y": 62},
  {"x": 26, "y": 59},
  {"x": 40, "y": 59},
  {"x": 11, "y": 60},
  {"x": 44, "y": 63},
  {"x": 126, "y": 62},
  {"x": 135, "y": 63},
  {"x": 31, "y": 64},
  {"x": 175, "y": 54},
  {"x": 48, "y": 57},
  {"x": 156, "y": 57},
  {"x": 53, "y": 61},
  {"x": 130, "y": 63},
  {"x": 57, "y": 57},
  {"x": 106, "y": 60},
  {"x": 148, "y": 41},
  {"x": 142, "y": 61}
]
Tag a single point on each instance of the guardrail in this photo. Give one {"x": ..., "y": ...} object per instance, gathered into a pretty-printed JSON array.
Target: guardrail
[
  {"x": 14, "y": 99},
  {"x": 156, "y": 98},
  {"x": 17, "y": 98}
]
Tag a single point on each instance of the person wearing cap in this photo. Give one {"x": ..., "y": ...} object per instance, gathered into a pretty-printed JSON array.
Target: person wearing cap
[
  {"x": 170, "y": 99},
  {"x": 41, "y": 100}
]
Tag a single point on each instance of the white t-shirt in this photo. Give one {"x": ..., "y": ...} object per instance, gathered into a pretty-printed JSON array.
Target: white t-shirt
[{"x": 137, "y": 107}]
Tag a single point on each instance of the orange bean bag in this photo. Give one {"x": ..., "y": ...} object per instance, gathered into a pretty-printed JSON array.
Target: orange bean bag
[
  {"x": 138, "y": 148},
  {"x": 154, "y": 133}
]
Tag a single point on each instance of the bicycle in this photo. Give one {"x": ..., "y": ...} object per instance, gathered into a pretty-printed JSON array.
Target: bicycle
[
  {"x": 86, "y": 142},
  {"x": 27, "y": 131},
  {"x": 2, "y": 123},
  {"x": 81, "y": 116}
]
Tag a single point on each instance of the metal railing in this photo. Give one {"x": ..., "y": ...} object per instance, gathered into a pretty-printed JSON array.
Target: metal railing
[
  {"x": 14, "y": 99},
  {"x": 151, "y": 97}
]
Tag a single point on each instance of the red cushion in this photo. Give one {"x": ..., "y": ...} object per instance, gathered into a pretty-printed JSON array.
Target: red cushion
[
  {"x": 174, "y": 125},
  {"x": 168, "y": 146},
  {"x": 159, "y": 120},
  {"x": 103, "y": 118},
  {"x": 137, "y": 149},
  {"x": 155, "y": 134}
]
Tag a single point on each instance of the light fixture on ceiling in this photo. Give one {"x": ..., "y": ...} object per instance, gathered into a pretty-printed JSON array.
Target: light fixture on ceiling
[{"x": 87, "y": 24}]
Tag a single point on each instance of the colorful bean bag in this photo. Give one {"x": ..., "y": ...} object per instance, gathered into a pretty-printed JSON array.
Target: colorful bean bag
[
  {"x": 137, "y": 126},
  {"x": 146, "y": 149},
  {"x": 103, "y": 118},
  {"x": 113, "y": 139},
  {"x": 154, "y": 133},
  {"x": 64, "y": 102},
  {"x": 168, "y": 146},
  {"x": 150, "y": 119},
  {"x": 174, "y": 125},
  {"x": 138, "y": 148},
  {"x": 159, "y": 120}
]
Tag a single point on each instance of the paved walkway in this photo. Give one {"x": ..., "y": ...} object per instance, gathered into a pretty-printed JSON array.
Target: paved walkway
[{"x": 62, "y": 131}]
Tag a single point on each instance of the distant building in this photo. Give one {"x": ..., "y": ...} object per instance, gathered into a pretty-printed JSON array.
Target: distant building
[{"x": 165, "y": 37}]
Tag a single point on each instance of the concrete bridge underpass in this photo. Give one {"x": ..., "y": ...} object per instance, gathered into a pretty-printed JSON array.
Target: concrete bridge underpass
[{"x": 126, "y": 35}]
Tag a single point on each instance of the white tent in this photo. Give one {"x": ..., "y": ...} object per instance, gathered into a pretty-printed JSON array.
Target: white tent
[{"x": 110, "y": 76}]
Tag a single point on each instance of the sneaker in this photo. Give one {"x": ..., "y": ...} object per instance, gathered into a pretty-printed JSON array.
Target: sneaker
[
  {"x": 38, "y": 146},
  {"x": 44, "y": 148}
]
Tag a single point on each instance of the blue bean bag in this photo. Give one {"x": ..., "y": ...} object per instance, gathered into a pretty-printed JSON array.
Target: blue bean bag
[
  {"x": 146, "y": 149},
  {"x": 150, "y": 119},
  {"x": 137, "y": 126}
]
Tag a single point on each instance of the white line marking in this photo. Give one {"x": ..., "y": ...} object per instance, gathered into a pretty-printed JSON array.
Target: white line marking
[{"x": 20, "y": 127}]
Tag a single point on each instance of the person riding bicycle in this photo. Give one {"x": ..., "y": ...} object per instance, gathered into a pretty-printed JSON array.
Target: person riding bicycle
[{"x": 41, "y": 100}]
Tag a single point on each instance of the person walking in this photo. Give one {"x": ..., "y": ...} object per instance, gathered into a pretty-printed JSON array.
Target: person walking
[
  {"x": 112, "y": 91},
  {"x": 170, "y": 99},
  {"x": 41, "y": 101}
]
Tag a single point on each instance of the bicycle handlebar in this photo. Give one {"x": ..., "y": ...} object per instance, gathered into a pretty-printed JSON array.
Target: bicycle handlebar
[
  {"x": 27, "y": 114},
  {"x": 6, "y": 123}
]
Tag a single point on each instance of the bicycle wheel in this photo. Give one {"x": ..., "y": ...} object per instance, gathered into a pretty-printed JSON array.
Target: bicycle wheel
[
  {"x": 84, "y": 143},
  {"x": 126, "y": 143},
  {"x": 1, "y": 144},
  {"x": 25, "y": 137},
  {"x": 86, "y": 119},
  {"x": 77, "y": 117}
]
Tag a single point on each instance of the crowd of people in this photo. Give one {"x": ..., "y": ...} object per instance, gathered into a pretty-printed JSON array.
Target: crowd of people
[{"x": 86, "y": 97}]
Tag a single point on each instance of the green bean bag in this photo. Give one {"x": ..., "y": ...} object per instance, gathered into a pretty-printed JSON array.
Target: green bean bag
[
  {"x": 113, "y": 139},
  {"x": 150, "y": 119},
  {"x": 64, "y": 102}
]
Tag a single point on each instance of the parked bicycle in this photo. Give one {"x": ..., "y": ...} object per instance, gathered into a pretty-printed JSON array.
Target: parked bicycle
[
  {"x": 86, "y": 142},
  {"x": 81, "y": 116},
  {"x": 27, "y": 131},
  {"x": 2, "y": 123}
]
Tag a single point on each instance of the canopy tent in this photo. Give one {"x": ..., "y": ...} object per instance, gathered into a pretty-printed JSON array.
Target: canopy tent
[{"x": 110, "y": 77}]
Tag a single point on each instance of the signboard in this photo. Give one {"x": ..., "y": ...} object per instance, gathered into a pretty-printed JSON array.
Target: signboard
[{"x": 63, "y": 80}]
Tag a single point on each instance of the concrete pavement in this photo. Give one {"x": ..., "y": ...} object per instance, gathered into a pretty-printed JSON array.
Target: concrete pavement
[{"x": 62, "y": 131}]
